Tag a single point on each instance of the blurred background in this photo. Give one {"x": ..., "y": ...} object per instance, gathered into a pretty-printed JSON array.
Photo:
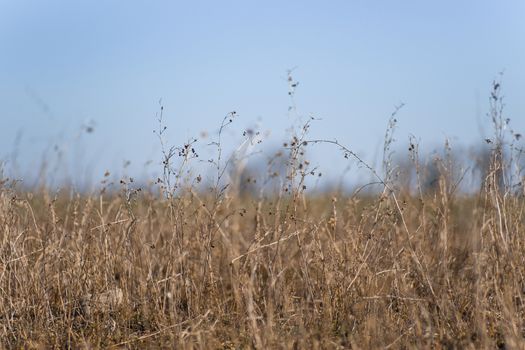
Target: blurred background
[{"x": 81, "y": 82}]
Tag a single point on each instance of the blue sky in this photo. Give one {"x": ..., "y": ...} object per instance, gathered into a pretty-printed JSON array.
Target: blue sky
[{"x": 65, "y": 64}]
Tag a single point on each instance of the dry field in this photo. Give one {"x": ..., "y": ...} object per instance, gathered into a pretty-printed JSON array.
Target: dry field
[{"x": 183, "y": 267}]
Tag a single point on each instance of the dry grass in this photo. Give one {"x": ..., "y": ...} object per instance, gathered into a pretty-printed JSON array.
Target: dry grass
[
  {"x": 286, "y": 272},
  {"x": 222, "y": 269}
]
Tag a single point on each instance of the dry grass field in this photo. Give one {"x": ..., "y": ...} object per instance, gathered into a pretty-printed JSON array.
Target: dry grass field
[{"x": 176, "y": 265}]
